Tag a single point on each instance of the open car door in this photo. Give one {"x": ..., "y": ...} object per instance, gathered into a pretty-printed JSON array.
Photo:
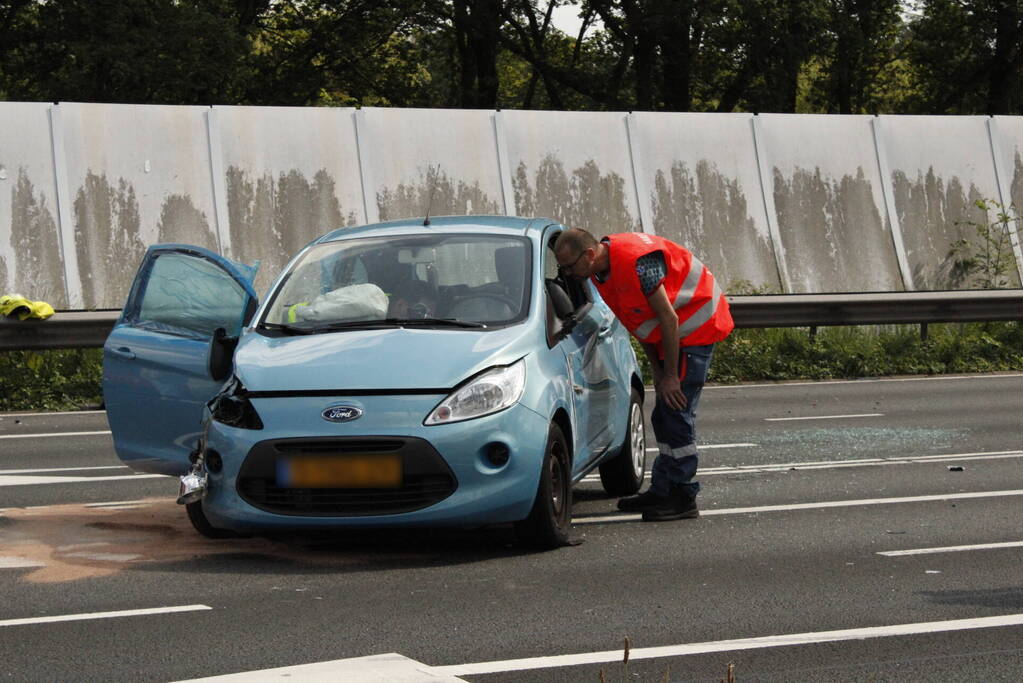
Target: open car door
[{"x": 155, "y": 377}]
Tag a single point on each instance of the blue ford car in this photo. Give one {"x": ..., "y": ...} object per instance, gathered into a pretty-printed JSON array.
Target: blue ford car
[{"x": 435, "y": 373}]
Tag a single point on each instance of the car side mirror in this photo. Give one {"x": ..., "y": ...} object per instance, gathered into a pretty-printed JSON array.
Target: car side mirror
[
  {"x": 220, "y": 358},
  {"x": 559, "y": 298}
]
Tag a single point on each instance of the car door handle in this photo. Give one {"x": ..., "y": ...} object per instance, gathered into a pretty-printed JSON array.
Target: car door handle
[
  {"x": 605, "y": 332},
  {"x": 123, "y": 352}
]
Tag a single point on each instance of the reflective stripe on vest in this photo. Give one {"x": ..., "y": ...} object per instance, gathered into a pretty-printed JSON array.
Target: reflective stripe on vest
[
  {"x": 699, "y": 316},
  {"x": 684, "y": 296}
]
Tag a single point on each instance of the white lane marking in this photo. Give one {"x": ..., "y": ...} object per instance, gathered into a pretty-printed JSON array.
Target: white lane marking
[
  {"x": 712, "y": 446},
  {"x": 821, "y": 417},
  {"x": 19, "y": 563},
  {"x": 951, "y": 549},
  {"x": 118, "y": 503},
  {"x": 66, "y": 412},
  {"x": 840, "y": 464},
  {"x": 732, "y": 645},
  {"x": 816, "y": 506},
  {"x": 26, "y": 480},
  {"x": 103, "y": 615},
  {"x": 43, "y": 436},
  {"x": 65, "y": 469},
  {"x": 386, "y": 668},
  {"x": 874, "y": 380}
]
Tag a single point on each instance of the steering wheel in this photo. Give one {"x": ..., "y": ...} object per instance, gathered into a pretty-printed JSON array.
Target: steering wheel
[{"x": 502, "y": 299}]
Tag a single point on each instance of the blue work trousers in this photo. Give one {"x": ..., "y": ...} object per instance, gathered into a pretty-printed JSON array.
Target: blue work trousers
[{"x": 675, "y": 430}]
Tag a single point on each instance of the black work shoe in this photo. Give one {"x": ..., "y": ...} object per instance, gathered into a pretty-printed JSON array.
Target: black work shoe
[
  {"x": 677, "y": 506},
  {"x": 640, "y": 502}
]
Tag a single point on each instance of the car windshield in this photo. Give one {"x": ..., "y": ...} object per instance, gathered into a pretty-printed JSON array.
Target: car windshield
[{"x": 444, "y": 281}]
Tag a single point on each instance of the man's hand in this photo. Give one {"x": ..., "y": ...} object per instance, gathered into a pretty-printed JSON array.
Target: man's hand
[{"x": 670, "y": 391}]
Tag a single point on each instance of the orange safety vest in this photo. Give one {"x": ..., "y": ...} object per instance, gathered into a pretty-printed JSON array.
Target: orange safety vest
[{"x": 703, "y": 314}]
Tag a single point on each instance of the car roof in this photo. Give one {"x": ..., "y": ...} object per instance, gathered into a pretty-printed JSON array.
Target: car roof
[{"x": 507, "y": 225}]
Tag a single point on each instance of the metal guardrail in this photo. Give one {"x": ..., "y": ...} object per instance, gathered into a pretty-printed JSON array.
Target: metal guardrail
[{"x": 89, "y": 329}]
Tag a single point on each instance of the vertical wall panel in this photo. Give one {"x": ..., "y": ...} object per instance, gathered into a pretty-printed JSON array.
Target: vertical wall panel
[
  {"x": 701, "y": 173},
  {"x": 573, "y": 167},
  {"x": 291, "y": 175},
  {"x": 137, "y": 175},
  {"x": 940, "y": 166},
  {"x": 30, "y": 249},
  {"x": 1007, "y": 146},
  {"x": 832, "y": 219},
  {"x": 441, "y": 161}
]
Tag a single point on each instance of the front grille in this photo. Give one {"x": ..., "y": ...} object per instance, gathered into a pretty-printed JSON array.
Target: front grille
[{"x": 426, "y": 478}]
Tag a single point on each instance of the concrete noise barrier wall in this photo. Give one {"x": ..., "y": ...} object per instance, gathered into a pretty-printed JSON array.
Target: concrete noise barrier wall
[{"x": 784, "y": 202}]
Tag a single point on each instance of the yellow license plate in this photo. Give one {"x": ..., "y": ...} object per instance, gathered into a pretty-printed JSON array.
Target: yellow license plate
[{"x": 340, "y": 471}]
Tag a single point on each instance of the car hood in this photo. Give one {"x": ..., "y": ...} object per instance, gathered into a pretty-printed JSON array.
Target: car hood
[{"x": 394, "y": 358}]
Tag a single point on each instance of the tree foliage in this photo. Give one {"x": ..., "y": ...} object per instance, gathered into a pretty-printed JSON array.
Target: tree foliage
[{"x": 834, "y": 56}]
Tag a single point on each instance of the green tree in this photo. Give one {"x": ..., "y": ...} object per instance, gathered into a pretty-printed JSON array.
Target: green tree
[
  {"x": 968, "y": 56},
  {"x": 146, "y": 51}
]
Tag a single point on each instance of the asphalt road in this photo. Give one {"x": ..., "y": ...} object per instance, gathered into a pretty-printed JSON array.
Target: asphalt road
[{"x": 797, "y": 570}]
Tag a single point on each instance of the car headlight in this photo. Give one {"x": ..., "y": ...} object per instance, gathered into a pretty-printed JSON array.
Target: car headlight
[
  {"x": 489, "y": 392},
  {"x": 233, "y": 408}
]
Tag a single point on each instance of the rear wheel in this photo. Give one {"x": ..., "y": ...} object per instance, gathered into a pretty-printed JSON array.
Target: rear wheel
[
  {"x": 623, "y": 474},
  {"x": 551, "y": 517},
  {"x": 202, "y": 524}
]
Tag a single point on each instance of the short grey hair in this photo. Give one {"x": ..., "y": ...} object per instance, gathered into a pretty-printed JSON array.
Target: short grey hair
[{"x": 576, "y": 239}]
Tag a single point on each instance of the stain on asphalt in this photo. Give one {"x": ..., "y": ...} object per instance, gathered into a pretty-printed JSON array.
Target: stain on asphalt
[{"x": 74, "y": 542}]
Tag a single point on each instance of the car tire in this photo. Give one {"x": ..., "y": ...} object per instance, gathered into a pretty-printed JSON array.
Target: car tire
[
  {"x": 623, "y": 474},
  {"x": 202, "y": 524},
  {"x": 549, "y": 521}
]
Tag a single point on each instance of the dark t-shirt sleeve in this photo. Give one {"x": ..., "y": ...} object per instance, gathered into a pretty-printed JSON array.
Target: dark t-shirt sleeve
[{"x": 651, "y": 270}]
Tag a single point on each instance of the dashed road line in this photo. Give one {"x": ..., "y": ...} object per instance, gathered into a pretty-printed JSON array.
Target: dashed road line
[
  {"x": 51, "y": 434},
  {"x": 103, "y": 615},
  {"x": 841, "y": 464},
  {"x": 65, "y": 469},
  {"x": 876, "y": 380},
  {"x": 821, "y": 417},
  {"x": 28, "y": 480},
  {"x": 783, "y": 640},
  {"x": 19, "y": 563},
  {"x": 951, "y": 549},
  {"x": 604, "y": 519}
]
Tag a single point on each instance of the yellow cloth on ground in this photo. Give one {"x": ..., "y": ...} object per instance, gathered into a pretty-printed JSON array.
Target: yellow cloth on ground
[{"x": 16, "y": 304}]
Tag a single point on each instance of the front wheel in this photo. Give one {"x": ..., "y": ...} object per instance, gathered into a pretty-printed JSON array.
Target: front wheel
[
  {"x": 549, "y": 521},
  {"x": 202, "y": 524},
  {"x": 623, "y": 474}
]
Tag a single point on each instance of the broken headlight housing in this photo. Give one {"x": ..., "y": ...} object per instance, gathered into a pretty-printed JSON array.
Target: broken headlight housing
[{"x": 233, "y": 408}]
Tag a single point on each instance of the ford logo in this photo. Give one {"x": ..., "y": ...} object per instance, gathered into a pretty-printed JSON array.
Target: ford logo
[{"x": 341, "y": 413}]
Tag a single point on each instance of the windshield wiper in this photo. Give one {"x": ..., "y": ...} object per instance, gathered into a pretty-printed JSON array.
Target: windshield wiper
[
  {"x": 435, "y": 322},
  {"x": 293, "y": 329},
  {"x": 331, "y": 327},
  {"x": 376, "y": 324}
]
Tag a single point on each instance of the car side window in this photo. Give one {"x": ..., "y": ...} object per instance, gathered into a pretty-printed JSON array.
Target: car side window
[
  {"x": 577, "y": 290},
  {"x": 190, "y": 296}
]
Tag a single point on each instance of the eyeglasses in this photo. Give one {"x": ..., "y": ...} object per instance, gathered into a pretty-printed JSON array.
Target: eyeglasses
[{"x": 567, "y": 269}]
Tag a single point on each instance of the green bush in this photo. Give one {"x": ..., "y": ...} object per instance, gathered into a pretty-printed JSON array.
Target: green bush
[{"x": 51, "y": 380}]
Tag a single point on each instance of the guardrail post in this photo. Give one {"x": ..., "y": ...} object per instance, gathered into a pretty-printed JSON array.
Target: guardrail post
[{"x": 924, "y": 332}]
